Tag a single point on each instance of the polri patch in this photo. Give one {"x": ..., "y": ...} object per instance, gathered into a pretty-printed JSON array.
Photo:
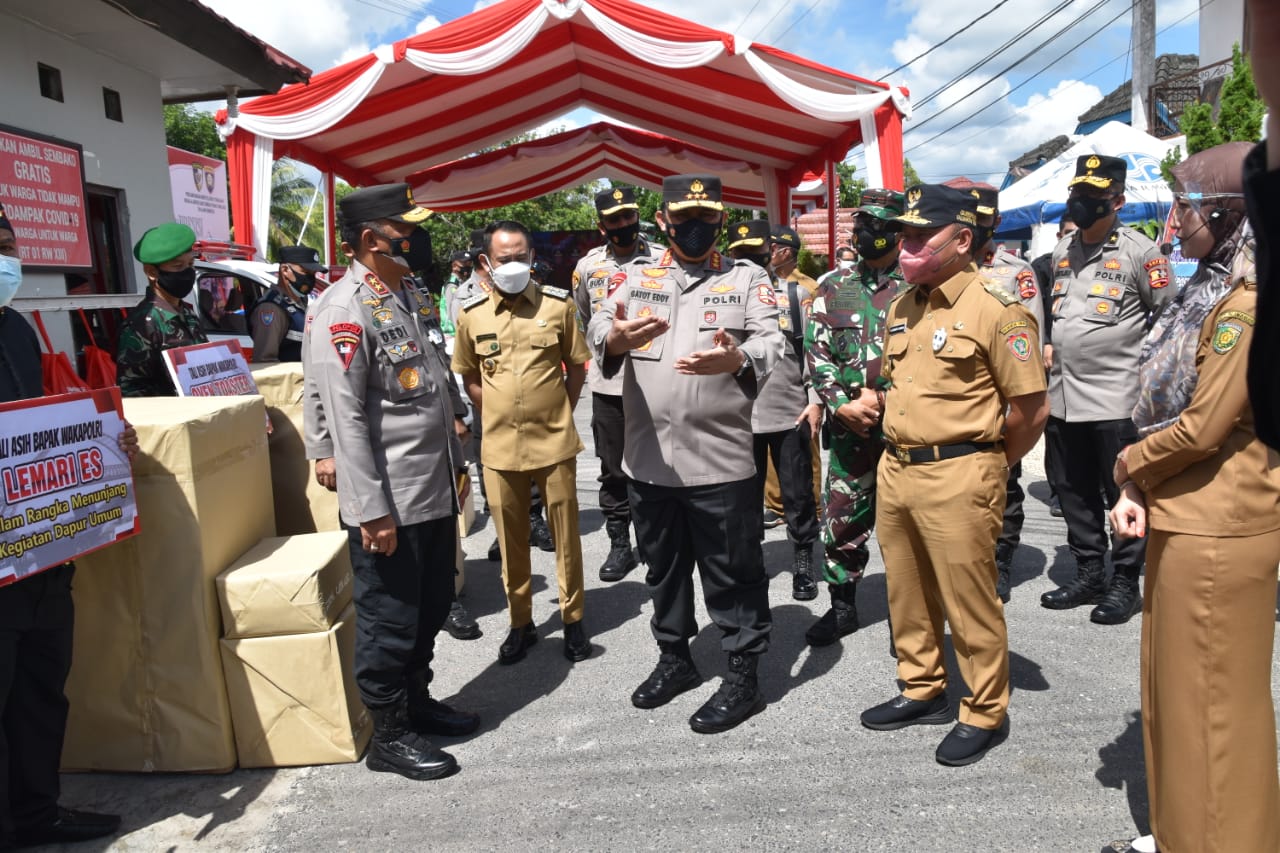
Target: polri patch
[
  {"x": 765, "y": 294},
  {"x": 616, "y": 280},
  {"x": 1026, "y": 284},
  {"x": 1157, "y": 272},
  {"x": 1226, "y": 336},
  {"x": 346, "y": 340}
]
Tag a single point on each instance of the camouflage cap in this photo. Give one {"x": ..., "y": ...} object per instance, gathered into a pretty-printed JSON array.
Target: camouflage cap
[{"x": 881, "y": 203}]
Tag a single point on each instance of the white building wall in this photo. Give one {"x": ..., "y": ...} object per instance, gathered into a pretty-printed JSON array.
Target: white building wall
[{"x": 1221, "y": 25}]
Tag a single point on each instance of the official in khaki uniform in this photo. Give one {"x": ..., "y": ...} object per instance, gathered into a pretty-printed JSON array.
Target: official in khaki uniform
[
  {"x": 1205, "y": 487},
  {"x": 512, "y": 338},
  {"x": 693, "y": 332},
  {"x": 966, "y": 400},
  {"x": 593, "y": 282},
  {"x": 389, "y": 410}
]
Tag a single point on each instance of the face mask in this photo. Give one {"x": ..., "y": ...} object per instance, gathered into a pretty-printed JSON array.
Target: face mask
[
  {"x": 303, "y": 282},
  {"x": 415, "y": 250},
  {"x": 761, "y": 261},
  {"x": 624, "y": 236},
  {"x": 846, "y": 265},
  {"x": 177, "y": 284},
  {"x": 511, "y": 278},
  {"x": 10, "y": 278},
  {"x": 919, "y": 263},
  {"x": 1086, "y": 211},
  {"x": 693, "y": 237},
  {"x": 873, "y": 245}
]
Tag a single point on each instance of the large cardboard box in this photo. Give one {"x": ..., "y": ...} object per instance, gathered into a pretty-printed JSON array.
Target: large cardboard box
[
  {"x": 294, "y": 697},
  {"x": 301, "y": 504},
  {"x": 286, "y": 585},
  {"x": 146, "y": 686}
]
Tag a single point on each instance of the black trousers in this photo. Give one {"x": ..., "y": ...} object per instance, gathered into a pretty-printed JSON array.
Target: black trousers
[
  {"x": 1083, "y": 456},
  {"x": 607, "y": 428},
  {"x": 36, "y": 622},
  {"x": 1014, "y": 515},
  {"x": 401, "y": 602},
  {"x": 793, "y": 460},
  {"x": 717, "y": 527}
]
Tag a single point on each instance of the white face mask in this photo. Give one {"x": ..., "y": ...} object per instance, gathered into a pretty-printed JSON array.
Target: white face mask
[
  {"x": 511, "y": 278},
  {"x": 10, "y": 278},
  {"x": 846, "y": 265}
]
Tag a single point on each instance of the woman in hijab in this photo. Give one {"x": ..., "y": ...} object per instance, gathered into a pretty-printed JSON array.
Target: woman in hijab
[{"x": 1201, "y": 482}]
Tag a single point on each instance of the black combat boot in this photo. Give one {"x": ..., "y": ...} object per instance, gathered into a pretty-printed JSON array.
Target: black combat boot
[
  {"x": 674, "y": 674},
  {"x": 803, "y": 587},
  {"x": 1087, "y": 588},
  {"x": 1004, "y": 567},
  {"x": 539, "y": 532},
  {"x": 395, "y": 748},
  {"x": 459, "y": 623},
  {"x": 841, "y": 620},
  {"x": 622, "y": 558},
  {"x": 1120, "y": 603},
  {"x": 737, "y": 698},
  {"x": 430, "y": 716}
]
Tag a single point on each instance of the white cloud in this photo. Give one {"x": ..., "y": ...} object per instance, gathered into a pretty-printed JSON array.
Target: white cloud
[{"x": 430, "y": 22}]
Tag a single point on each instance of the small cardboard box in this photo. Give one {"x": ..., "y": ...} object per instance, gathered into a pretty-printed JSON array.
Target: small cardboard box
[
  {"x": 294, "y": 698},
  {"x": 286, "y": 585}
]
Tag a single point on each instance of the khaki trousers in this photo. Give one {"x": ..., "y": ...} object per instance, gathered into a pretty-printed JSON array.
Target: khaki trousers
[
  {"x": 509, "y": 504},
  {"x": 1208, "y": 722},
  {"x": 937, "y": 523}
]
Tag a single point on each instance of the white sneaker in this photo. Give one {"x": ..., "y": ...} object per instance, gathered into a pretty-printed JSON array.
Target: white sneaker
[{"x": 1143, "y": 844}]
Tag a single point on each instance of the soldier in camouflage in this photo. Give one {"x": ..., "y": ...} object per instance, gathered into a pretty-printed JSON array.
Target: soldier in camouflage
[
  {"x": 162, "y": 320},
  {"x": 844, "y": 342}
]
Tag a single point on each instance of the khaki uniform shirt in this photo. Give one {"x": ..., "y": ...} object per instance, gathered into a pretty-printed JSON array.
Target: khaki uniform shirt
[
  {"x": 1102, "y": 305},
  {"x": 955, "y": 356},
  {"x": 516, "y": 346},
  {"x": 690, "y": 430},
  {"x": 386, "y": 398},
  {"x": 593, "y": 279},
  {"x": 1016, "y": 276},
  {"x": 1208, "y": 474},
  {"x": 786, "y": 390}
]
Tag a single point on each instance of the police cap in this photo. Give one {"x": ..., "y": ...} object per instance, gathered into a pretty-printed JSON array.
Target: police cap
[
  {"x": 935, "y": 205},
  {"x": 754, "y": 233},
  {"x": 988, "y": 196},
  {"x": 304, "y": 256},
  {"x": 385, "y": 201},
  {"x": 1100, "y": 171},
  {"x": 680, "y": 192},
  {"x": 609, "y": 202},
  {"x": 781, "y": 235}
]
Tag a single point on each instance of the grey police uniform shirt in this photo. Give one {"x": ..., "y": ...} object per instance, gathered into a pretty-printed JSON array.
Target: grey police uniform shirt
[
  {"x": 1102, "y": 307},
  {"x": 593, "y": 279},
  {"x": 690, "y": 430},
  {"x": 315, "y": 430},
  {"x": 786, "y": 390},
  {"x": 460, "y": 294},
  {"x": 385, "y": 393},
  {"x": 1016, "y": 276}
]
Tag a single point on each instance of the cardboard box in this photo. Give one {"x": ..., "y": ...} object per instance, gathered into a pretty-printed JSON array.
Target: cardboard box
[
  {"x": 468, "y": 501},
  {"x": 294, "y": 697},
  {"x": 286, "y": 585},
  {"x": 301, "y": 504},
  {"x": 146, "y": 686}
]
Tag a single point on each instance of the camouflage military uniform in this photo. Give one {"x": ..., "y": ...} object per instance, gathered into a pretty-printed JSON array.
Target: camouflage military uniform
[
  {"x": 153, "y": 325},
  {"x": 844, "y": 342}
]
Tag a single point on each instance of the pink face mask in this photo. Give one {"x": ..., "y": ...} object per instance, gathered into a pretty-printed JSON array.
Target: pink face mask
[{"x": 919, "y": 263}]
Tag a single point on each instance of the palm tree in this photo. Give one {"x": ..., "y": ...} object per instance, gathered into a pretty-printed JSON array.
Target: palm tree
[{"x": 291, "y": 193}]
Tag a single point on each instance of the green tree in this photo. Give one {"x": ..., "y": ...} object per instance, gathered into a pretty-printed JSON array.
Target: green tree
[
  {"x": 190, "y": 129},
  {"x": 850, "y": 189},
  {"x": 1201, "y": 130},
  {"x": 909, "y": 175},
  {"x": 291, "y": 192},
  {"x": 1239, "y": 116}
]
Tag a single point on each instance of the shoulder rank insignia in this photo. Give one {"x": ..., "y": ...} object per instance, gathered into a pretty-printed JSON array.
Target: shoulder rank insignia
[
  {"x": 477, "y": 299},
  {"x": 375, "y": 284},
  {"x": 716, "y": 261},
  {"x": 665, "y": 260},
  {"x": 554, "y": 292},
  {"x": 1000, "y": 292}
]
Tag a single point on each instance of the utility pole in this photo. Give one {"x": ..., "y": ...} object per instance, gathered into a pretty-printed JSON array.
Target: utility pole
[{"x": 1144, "y": 60}]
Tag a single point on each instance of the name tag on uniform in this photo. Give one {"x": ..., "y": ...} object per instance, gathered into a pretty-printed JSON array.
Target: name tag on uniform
[
  {"x": 639, "y": 309},
  {"x": 896, "y": 329}
]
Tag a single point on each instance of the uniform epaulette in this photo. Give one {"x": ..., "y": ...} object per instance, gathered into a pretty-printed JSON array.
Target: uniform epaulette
[
  {"x": 1000, "y": 292},
  {"x": 555, "y": 292},
  {"x": 477, "y": 299}
]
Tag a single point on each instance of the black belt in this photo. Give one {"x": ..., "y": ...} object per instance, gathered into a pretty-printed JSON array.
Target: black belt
[{"x": 916, "y": 455}]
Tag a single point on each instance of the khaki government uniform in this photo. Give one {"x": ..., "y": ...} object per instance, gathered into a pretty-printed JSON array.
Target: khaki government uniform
[
  {"x": 955, "y": 356},
  {"x": 1208, "y": 613},
  {"x": 516, "y": 346}
]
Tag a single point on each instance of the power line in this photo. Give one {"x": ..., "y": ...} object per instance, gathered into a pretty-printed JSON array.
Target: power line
[
  {"x": 963, "y": 29},
  {"x": 750, "y": 11},
  {"x": 803, "y": 14}
]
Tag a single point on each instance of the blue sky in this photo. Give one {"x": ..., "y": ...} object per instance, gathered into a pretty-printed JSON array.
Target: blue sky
[{"x": 1013, "y": 111}]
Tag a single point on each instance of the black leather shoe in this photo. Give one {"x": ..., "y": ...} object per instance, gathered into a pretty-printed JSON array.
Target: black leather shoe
[
  {"x": 966, "y": 744},
  {"x": 622, "y": 557},
  {"x": 900, "y": 712},
  {"x": 672, "y": 676},
  {"x": 1120, "y": 604},
  {"x": 69, "y": 826},
  {"x": 1087, "y": 588},
  {"x": 395, "y": 748},
  {"x": 839, "y": 621},
  {"x": 803, "y": 587},
  {"x": 495, "y": 552},
  {"x": 737, "y": 698},
  {"x": 518, "y": 641},
  {"x": 431, "y": 717},
  {"x": 1002, "y": 582},
  {"x": 576, "y": 645},
  {"x": 460, "y": 625},
  {"x": 540, "y": 534}
]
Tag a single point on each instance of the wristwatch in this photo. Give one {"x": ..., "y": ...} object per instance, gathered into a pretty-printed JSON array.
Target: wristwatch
[{"x": 746, "y": 365}]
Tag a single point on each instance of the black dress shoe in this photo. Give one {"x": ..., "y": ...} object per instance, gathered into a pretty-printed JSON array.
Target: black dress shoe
[
  {"x": 431, "y": 717},
  {"x": 672, "y": 676},
  {"x": 966, "y": 744},
  {"x": 900, "y": 712},
  {"x": 517, "y": 643},
  {"x": 460, "y": 625},
  {"x": 69, "y": 826},
  {"x": 576, "y": 645}
]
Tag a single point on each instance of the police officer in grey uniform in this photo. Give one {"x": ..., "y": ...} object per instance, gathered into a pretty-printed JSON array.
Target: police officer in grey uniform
[
  {"x": 1109, "y": 282},
  {"x": 786, "y": 414},
  {"x": 593, "y": 283},
  {"x": 391, "y": 417},
  {"x": 693, "y": 333}
]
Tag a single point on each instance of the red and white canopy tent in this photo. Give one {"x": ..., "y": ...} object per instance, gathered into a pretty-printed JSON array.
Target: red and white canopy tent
[{"x": 486, "y": 77}]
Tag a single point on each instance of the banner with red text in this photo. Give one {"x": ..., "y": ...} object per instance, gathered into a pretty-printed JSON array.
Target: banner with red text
[
  {"x": 215, "y": 369},
  {"x": 66, "y": 487},
  {"x": 42, "y": 191}
]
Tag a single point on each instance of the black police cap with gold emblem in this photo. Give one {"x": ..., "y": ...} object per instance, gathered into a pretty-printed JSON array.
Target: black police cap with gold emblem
[
  {"x": 609, "y": 202},
  {"x": 1100, "y": 171},
  {"x": 988, "y": 196},
  {"x": 385, "y": 201},
  {"x": 784, "y": 236},
  {"x": 935, "y": 205},
  {"x": 752, "y": 234},
  {"x": 304, "y": 256},
  {"x": 680, "y": 192}
]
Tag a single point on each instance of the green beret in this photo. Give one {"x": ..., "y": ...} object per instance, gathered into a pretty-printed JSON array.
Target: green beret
[{"x": 164, "y": 243}]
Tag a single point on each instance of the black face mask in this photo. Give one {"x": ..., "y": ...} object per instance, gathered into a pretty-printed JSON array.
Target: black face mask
[
  {"x": 875, "y": 244},
  {"x": 177, "y": 284},
  {"x": 415, "y": 249},
  {"x": 1086, "y": 211},
  {"x": 303, "y": 282},
  {"x": 759, "y": 260},
  {"x": 694, "y": 237},
  {"x": 624, "y": 236}
]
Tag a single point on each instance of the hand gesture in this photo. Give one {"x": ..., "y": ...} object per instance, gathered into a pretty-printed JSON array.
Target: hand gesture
[
  {"x": 724, "y": 357},
  {"x": 627, "y": 334},
  {"x": 1129, "y": 515}
]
